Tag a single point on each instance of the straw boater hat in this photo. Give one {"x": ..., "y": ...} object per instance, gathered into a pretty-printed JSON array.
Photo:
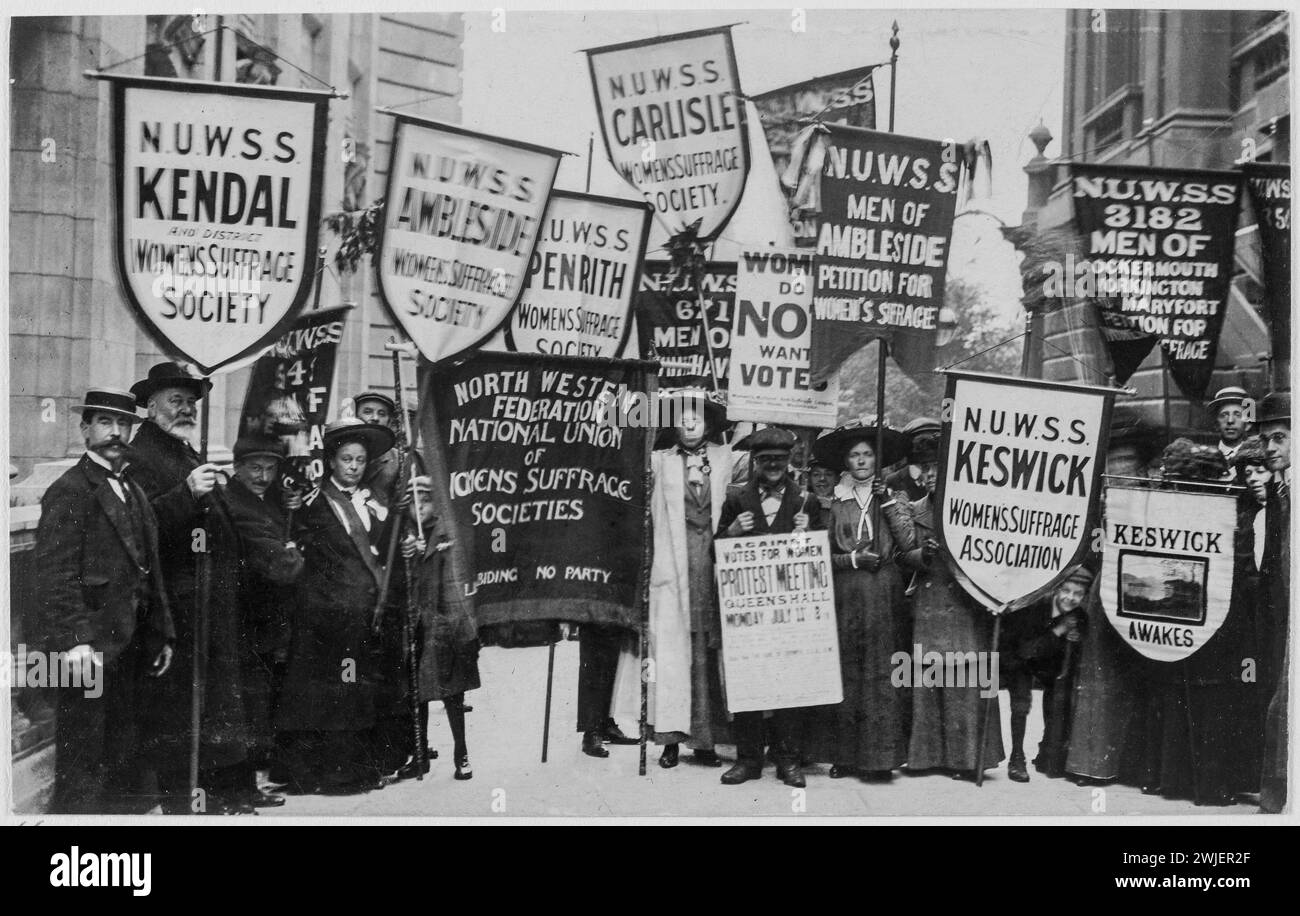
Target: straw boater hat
[
  {"x": 376, "y": 439},
  {"x": 115, "y": 401},
  {"x": 168, "y": 375},
  {"x": 376, "y": 396},
  {"x": 258, "y": 446},
  {"x": 1276, "y": 407},
  {"x": 832, "y": 447},
  {"x": 1225, "y": 398}
]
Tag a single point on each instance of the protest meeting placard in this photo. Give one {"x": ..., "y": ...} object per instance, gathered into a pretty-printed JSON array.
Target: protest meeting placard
[
  {"x": 1020, "y": 462},
  {"x": 780, "y": 645},
  {"x": 1159, "y": 246},
  {"x": 552, "y": 491},
  {"x": 669, "y": 323},
  {"x": 674, "y": 127},
  {"x": 768, "y": 376},
  {"x": 888, "y": 204},
  {"x": 462, "y": 215},
  {"x": 1167, "y": 568},
  {"x": 218, "y": 209}
]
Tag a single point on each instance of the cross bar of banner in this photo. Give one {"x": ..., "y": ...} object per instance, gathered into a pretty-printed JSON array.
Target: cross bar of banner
[{"x": 1041, "y": 382}]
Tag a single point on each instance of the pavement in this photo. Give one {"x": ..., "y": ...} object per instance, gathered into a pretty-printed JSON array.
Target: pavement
[{"x": 504, "y": 734}]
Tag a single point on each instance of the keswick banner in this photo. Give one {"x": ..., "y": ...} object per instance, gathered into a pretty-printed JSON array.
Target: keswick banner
[
  {"x": 218, "y": 206},
  {"x": 1269, "y": 185},
  {"x": 1020, "y": 462},
  {"x": 668, "y": 316},
  {"x": 553, "y": 491},
  {"x": 673, "y": 121},
  {"x": 462, "y": 216},
  {"x": 1159, "y": 246},
  {"x": 888, "y": 204},
  {"x": 768, "y": 376},
  {"x": 1167, "y": 568}
]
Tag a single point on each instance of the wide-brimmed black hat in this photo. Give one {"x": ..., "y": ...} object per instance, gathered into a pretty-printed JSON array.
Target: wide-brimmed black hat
[
  {"x": 168, "y": 375},
  {"x": 1276, "y": 407},
  {"x": 255, "y": 446},
  {"x": 834, "y": 445},
  {"x": 376, "y": 396},
  {"x": 376, "y": 439},
  {"x": 671, "y": 402},
  {"x": 1225, "y": 397},
  {"x": 109, "y": 400}
]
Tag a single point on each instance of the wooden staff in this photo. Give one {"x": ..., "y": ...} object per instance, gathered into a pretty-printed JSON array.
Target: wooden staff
[
  {"x": 202, "y": 596},
  {"x": 409, "y": 625},
  {"x": 650, "y": 385},
  {"x": 882, "y": 354},
  {"x": 546, "y": 714},
  {"x": 397, "y": 349},
  {"x": 989, "y": 705}
]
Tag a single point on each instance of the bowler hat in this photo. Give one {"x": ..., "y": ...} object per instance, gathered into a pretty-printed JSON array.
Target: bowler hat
[
  {"x": 833, "y": 446},
  {"x": 108, "y": 400},
  {"x": 168, "y": 375},
  {"x": 1226, "y": 397},
  {"x": 376, "y": 396},
  {"x": 255, "y": 446},
  {"x": 1276, "y": 407},
  {"x": 376, "y": 439}
]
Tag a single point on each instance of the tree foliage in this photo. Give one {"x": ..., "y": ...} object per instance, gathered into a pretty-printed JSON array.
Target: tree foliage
[{"x": 358, "y": 232}]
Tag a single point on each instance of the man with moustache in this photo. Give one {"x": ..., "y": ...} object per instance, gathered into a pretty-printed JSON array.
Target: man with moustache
[
  {"x": 103, "y": 609},
  {"x": 1229, "y": 412},
  {"x": 192, "y": 514}
]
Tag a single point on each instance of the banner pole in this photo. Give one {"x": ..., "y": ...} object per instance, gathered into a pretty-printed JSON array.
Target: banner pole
[
  {"x": 546, "y": 714},
  {"x": 883, "y": 353},
  {"x": 989, "y": 706},
  {"x": 649, "y": 384},
  {"x": 203, "y": 572},
  {"x": 893, "y": 71}
]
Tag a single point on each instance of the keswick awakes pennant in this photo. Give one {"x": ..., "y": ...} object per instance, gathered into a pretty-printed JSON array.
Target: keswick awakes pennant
[
  {"x": 888, "y": 203},
  {"x": 673, "y": 121},
  {"x": 1020, "y": 462},
  {"x": 462, "y": 215},
  {"x": 218, "y": 204},
  {"x": 1269, "y": 184},
  {"x": 1159, "y": 245},
  {"x": 1167, "y": 568}
]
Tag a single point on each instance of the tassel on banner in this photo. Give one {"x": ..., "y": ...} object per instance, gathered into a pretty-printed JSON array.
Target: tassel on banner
[
  {"x": 976, "y": 172},
  {"x": 802, "y": 177}
]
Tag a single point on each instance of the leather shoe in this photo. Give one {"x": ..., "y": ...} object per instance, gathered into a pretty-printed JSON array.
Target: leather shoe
[
  {"x": 791, "y": 775},
  {"x": 741, "y": 772},
  {"x": 263, "y": 799},
  {"x": 614, "y": 735},
  {"x": 592, "y": 745},
  {"x": 708, "y": 758},
  {"x": 463, "y": 770},
  {"x": 668, "y": 759},
  {"x": 412, "y": 768},
  {"x": 842, "y": 772},
  {"x": 1017, "y": 771}
]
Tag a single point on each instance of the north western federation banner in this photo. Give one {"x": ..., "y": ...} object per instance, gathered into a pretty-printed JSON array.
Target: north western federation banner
[
  {"x": 462, "y": 215},
  {"x": 888, "y": 203},
  {"x": 672, "y": 117},
  {"x": 1159, "y": 245},
  {"x": 1019, "y": 467},
  {"x": 218, "y": 203},
  {"x": 1269, "y": 185},
  {"x": 668, "y": 317},
  {"x": 768, "y": 375},
  {"x": 550, "y": 490},
  {"x": 1167, "y": 568}
]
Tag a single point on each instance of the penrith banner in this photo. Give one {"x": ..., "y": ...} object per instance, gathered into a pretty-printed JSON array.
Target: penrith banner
[
  {"x": 669, "y": 322},
  {"x": 462, "y": 216},
  {"x": 1269, "y": 185},
  {"x": 1167, "y": 568},
  {"x": 553, "y": 492},
  {"x": 1159, "y": 246},
  {"x": 218, "y": 207},
  {"x": 1020, "y": 464},
  {"x": 888, "y": 204},
  {"x": 673, "y": 119}
]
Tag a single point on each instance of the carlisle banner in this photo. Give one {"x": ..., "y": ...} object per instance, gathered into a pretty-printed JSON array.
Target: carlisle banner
[
  {"x": 218, "y": 204},
  {"x": 1020, "y": 462},
  {"x": 586, "y": 269},
  {"x": 1159, "y": 246},
  {"x": 1167, "y": 568},
  {"x": 768, "y": 377},
  {"x": 553, "y": 491},
  {"x": 668, "y": 317},
  {"x": 672, "y": 117},
  {"x": 888, "y": 203},
  {"x": 1269, "y": 185},
  {"x": 462, "y": 216}
]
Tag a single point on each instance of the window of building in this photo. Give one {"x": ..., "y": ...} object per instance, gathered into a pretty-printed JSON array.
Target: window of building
[{"x": 1112, "y": 54}]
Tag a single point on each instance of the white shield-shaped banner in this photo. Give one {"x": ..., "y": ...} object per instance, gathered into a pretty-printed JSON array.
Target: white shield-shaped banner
[
  {"x": 586, "y": 269},
  {"x": 462, "y": 215},
  {"x": 1167, "y": 568},
  {"x": 218, "y": 204},
  {"x": 1020, "y": 463},
  {"x": 673, "y": 119}
]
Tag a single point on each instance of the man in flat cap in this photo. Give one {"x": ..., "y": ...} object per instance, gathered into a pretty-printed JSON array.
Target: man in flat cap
[
  {"x": 103, "y": 609},
  {"x": 383, "y": 473},
  {"x": 1275, "y": 596}
]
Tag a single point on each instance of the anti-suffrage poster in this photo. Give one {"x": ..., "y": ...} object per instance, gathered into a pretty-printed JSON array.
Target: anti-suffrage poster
[
  {"x": 584, "y": 274},
  {"x": 218, "y": 204},
  {"x": 888, "y": 204},
  {"x": 1019, "y": 466},
  {"x": 768, "y": 377},
  {"x": 668, "y": 315},
  {"x": 673, "y": 121},
  {"x": 1269, "y": 185},
  {"x": 552, "y": 489},
  {"x": 462, "y": 215},
  {"x": 290, "y": 389},
  {"x": 780, "y": 646},
  {"x": 1167, "y": 568},
  {"x": 1159, "y": 246}
]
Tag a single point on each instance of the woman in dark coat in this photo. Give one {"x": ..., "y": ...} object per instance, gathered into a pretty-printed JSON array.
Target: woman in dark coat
[
  {"x": 869, "y": 528},
  {"x": 327, "y": 707}
]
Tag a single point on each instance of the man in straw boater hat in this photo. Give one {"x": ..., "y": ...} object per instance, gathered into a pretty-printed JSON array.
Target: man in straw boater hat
[
  {"x": 102, "y": 608},
  {"x": 192, "y": 514},
  {"x": 1228, "y": 411},
  {"x": 1275, "y": 597}
]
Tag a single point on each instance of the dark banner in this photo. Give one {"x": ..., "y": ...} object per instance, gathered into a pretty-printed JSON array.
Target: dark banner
[
  {"x": 888, "y": 203},
  {"x": 668, "y": 316},
  {"x": 548, "y": 480},
  {"x": 1269, "y": 185},
  {"x": 1159, "y": 246},
  {"x": 841, "y": 98},
  {"x": 290, "y": 389}
]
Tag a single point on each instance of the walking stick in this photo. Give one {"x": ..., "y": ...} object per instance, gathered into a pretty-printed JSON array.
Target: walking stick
[
  {"x": 989, "y": 706},
  {"x": 202, "y": 594}
]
